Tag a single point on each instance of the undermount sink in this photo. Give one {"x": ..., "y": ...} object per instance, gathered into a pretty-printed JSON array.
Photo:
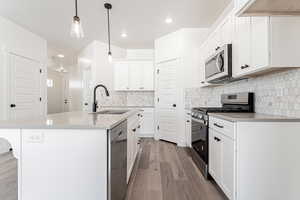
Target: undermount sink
[{"x": 111, "y": 112}]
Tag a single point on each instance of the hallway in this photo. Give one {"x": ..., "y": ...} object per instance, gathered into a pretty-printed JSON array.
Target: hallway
[{"x": 164, "y": 171}]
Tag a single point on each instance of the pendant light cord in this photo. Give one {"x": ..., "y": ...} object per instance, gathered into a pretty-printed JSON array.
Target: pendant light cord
[
  {"x": 108, "y": 29},
  {"x": 76, "y": 14}
]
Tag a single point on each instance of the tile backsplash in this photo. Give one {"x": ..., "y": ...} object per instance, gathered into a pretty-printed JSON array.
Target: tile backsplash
[
  {"x": 275, "y": 94},
  {"x": 139, "y": 99}
]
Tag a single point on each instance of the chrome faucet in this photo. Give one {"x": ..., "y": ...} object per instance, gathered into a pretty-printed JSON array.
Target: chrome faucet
[{"x": 95, "y": 103}]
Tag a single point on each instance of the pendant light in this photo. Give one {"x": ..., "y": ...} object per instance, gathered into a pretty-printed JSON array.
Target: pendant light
[
  {"x": 108, "y": 7},
  {"x": 76, "y": 28}
]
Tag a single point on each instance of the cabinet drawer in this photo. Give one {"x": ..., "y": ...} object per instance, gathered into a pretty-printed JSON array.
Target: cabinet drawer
[
  {"x": 133, "y": 119},
  {"x": 222, "y": 126}
]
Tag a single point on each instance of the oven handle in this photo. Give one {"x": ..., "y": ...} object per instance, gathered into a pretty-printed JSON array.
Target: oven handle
[{"x": 199, "y": 121}]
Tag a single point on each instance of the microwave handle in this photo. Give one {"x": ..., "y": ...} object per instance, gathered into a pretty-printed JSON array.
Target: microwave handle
[{"x": 217, "y": 62}]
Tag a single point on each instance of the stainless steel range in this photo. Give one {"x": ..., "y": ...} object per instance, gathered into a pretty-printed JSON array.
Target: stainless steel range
[{"x": 239, "y": 102}]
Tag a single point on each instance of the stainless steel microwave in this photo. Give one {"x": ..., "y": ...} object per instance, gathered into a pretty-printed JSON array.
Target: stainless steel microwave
[{"x": 218, "y": 67}]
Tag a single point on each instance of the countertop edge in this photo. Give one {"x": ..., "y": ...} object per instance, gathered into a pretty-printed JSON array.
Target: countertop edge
[{"x": 266, "y": 118}]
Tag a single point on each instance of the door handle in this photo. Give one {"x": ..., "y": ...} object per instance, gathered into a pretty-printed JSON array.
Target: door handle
[{"x": 12, "y": 105}]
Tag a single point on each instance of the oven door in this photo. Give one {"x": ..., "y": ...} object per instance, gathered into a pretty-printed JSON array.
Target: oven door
[{"x": 200, "y": 138}]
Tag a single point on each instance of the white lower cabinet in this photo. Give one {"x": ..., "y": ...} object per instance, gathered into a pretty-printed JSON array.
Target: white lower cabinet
[
  {"x": 133, "y": 129},
  {"x": 147, "y": 123},
  {"x": 221, "y": 161},
  {"x": 249, "y": 160},
  {"x": 188, "y": 128}
]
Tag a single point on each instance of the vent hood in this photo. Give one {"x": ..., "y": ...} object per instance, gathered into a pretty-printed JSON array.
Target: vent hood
[{"x": 267, "y": 7}]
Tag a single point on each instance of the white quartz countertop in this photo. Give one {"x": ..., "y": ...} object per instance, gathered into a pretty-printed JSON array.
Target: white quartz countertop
[
  {"x": 252, "y": 117},
  {"x": 70, "y": 120}
]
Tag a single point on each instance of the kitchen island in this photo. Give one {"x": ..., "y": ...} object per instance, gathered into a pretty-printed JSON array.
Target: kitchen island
[{"x": 69, "y": 155}]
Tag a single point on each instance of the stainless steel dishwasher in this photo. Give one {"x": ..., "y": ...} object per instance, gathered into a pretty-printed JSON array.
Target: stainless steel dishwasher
[{"x": 117, "y": 162}]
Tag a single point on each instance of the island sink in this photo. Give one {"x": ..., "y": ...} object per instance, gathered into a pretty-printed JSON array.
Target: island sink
[{"x": 111, "y": 112}]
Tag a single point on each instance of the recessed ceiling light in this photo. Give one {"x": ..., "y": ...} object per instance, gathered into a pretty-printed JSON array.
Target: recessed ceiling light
[
  {"x": 169, "y": 20},
  {"x": 124, "y": 35},
  {"x": 60, "y": 55}
]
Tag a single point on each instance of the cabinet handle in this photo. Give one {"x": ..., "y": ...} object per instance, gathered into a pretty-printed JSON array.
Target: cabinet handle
[
  {"x": 134, "y": 130},
  {"x": 86, "y": 104},
  {"x": 217, "y": 139},
  {"x": 202, "y": 82},
  {"x": 139, "y": 126},
  {"x": 120, "y": 133},
  {"x": 244, "y": 66},
  {"x": 127, "y": 88},
  {"x": 217, "y": 125},
  {"x": 188, "y": 121},
  {"x": 12, "y": 105},
  {"x": 141, "y": 88},
  {"x": 218, "y": 48},
  {"x": 174, "y": 105}
]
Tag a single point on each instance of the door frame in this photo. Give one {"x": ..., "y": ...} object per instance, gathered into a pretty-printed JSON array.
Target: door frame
[{"x": 6, "y": 52}]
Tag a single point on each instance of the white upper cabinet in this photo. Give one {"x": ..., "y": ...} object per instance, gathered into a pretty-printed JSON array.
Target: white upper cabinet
[
  {"x": 121, "y": 76},
  {"x": 134, "y": 76},
  {"x": 267, "y": 7},
  {"x": 164, "y": 45},
  {"x": 264, "y": 44}
]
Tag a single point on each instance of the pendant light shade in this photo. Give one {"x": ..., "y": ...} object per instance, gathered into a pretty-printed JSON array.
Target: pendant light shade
[
  {"x": 108, "y": 7},
  {"x": 76, "y": 28}
]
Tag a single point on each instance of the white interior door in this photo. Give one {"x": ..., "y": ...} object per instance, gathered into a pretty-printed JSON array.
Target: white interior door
[
  {"x": 66, "y": 99},
  {"x": 24, "y": 88},
  {"x": 167, "y": 98},
  {"x": 87, "y": 89}
]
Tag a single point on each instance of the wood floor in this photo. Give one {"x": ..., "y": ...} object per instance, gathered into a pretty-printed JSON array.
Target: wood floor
[{"x": 164, "y": 171}]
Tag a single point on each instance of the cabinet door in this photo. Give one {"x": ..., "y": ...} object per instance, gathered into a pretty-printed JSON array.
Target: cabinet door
[
  {"x": 135, "y": 75},
  {"x": 166, "y": 47},
  {"x": 216, "y": 40},
  {"x": 259, "y": 42},
  {"x": 147, "y": 123},
  {"x": 226, "y": 31},
  {"x": 188, "y": 129},
  {"x": 215, "y": 155},
  {"x": 121, "y": 76},
  {"x": 147, "y": 76},
  {"x": 243, "y": 45},
  {"x": 129, "y": 151},
  {"x": 227, "y": 166}
]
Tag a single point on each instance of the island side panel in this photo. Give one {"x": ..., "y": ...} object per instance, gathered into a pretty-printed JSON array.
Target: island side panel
[
  {"x": 64, "y": 164},
  {"x": 268, "y": 160}
]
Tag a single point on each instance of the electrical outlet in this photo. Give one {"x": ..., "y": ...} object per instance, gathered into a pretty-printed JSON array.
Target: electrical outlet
[{"x": 35, "y": 137}]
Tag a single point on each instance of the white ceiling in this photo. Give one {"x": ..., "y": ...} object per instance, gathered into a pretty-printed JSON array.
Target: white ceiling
[{"x": 143, "y": 20}]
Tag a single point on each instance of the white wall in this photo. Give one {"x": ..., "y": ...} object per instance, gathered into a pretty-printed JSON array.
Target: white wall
[
  {"x": 55, "y": 93},
  {"x": 140, "y": 54},
  {"x": 20, "y": 41}
]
